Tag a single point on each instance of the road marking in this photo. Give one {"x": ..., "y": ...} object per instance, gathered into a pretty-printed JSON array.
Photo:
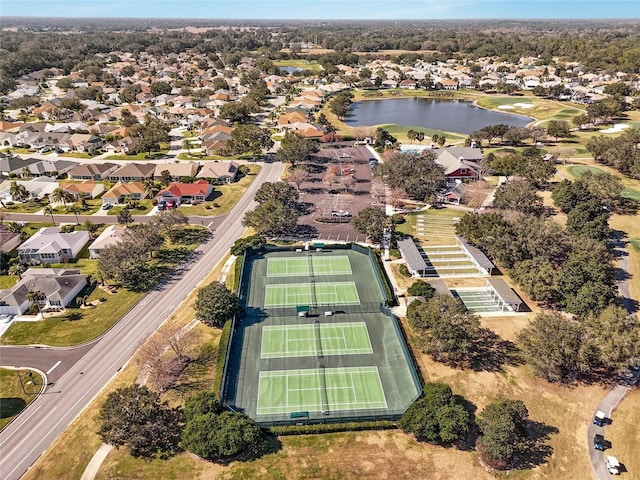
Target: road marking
[{"x": 54, "y": 367}]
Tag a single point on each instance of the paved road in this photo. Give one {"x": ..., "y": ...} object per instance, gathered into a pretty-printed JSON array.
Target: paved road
[{"x": 23, "y": 441}]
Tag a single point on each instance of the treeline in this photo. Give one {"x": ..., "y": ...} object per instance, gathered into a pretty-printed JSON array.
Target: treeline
[{"x": 622, "y": 153}]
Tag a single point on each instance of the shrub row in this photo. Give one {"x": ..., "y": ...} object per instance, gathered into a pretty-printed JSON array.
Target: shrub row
[
  {"x": 332, "y": 427},
  {"x": 225, "y": 336},
  {"x": 386, "y": 283}
]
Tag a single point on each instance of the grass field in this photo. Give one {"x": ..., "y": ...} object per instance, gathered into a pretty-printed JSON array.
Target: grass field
[
  {"x": 282, "y": 341},
  {"x": 8, "y": 281},
  {"x": 13, "y": 398},
  {"x": 320, "y": 390}
]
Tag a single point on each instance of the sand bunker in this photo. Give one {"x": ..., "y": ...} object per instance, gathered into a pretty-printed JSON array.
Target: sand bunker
[
  {"x": 618, "y": 127},
  {"x": 506, "y": 107},
  {"x": 523, "y": 105}
]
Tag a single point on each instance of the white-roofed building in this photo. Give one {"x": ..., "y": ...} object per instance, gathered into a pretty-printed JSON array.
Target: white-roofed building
[{"x": 49, "y": 245}]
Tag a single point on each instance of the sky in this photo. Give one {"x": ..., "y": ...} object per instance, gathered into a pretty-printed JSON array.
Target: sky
[{"x": 324, "y": 9}]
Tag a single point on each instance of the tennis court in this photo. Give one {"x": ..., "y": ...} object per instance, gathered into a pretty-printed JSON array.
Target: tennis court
[
  {"x": 308, "y": 265},
  {"x": 314, "y": 293},
  {"x": 319, "y": 390},
  {"x": 310, "y": 340},
  {"x": 479, "y": 300}
]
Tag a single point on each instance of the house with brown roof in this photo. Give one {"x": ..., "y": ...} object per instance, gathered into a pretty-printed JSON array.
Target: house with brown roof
[
  {"x": 92, "y": 171},
  {"x": 85, "y": 142},
  {"x": 220, "y": 172},
  {"x": 179, "y": 193},
  {"x": 133, "y": 172},
  {"x": 86, "y": 189},
  {"x": 123, "y": 192},
  {"x": 176, "y": 170}
]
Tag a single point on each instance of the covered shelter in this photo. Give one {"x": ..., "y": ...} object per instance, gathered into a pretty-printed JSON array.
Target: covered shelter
[
  {"x": 413, "y": 257},
  {"x": 476, "y": 255},
  {"x": 503, "y": 294}
]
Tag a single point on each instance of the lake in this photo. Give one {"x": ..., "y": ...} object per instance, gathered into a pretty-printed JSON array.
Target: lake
[
  {"x": 290, "y": 70},
  {"x": 446, "y": 115}
]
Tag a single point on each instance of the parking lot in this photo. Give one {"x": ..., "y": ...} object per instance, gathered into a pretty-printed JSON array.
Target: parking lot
[{"x": 336, "y": 203}]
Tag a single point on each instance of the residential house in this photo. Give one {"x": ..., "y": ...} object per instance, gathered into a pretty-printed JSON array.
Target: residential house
[
  {"x": 177, "y": 170},
  {"x": 178, "y": 193},
  {"x": 51, "y": 168},
  {"x": 454, "y": 195},
  {"x": 448, "y": 84},
  {"x": 37, "y": 188},
  {"x": 12, "y": 165},
  {"x": 8, "y": 240},
  {"x": 408, "y": 83},
  {"x": 86, "y": 189},
  {"x": 86, "y": 142},
  {"x": 50, "y": 245},
  {"x": 59, "y": 286},
  {"x": 133, "y": 172},
  {"x": 123, "y": 192},
  {"x": 112, "y": 235},
  {"x": 92, "y": 171},
  {"x": 460, "y": 163},
  {"x": 219, "y": 172}
]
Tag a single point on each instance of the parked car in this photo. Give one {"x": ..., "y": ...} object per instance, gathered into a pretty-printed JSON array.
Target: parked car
[
  {"x": 598, "y": 442},
  {"x": 106, "y": 206},
  {"x": 613, "y": 465},
  {"x": 162, "y": 205},
  {"x": 599, "y": 418}
]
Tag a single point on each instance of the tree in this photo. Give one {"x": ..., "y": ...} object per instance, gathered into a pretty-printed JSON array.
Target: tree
[
  {"x": 36, "y": 297},
  {"x": 520, "y": 196},
  {"x": 272, "y": 219},
  {"x": 215, "y": 304},
  {"x": 160, "y": 88},
  {"x": 297, "y": 176},
  {"x": 567, "y": 195},
  {"x": 250, "y": 139},
  {"x": 294, "y": 148},
  {"x": 503, "y": 426},
  {"x": 419, "y": 175},
  {"x": 378, "y": 190},
  {"x": 607, "y": 188},
  {"x": 18, "y": 192},
  {"x": 331, "y": 176},
  {"x": 397, "y": 197},
  {"x": 613, "y": 337},
  {"x": 129, "y": 94},
  {"x": 420, "y": 288},
  {"x": 438, "y": 416},
  {"x": 589, "y": 219},
  {"x": 91, "y": 227},
  {"x": 236, "y": 112},
  {"x": 553, "y": 347},
  {"x": 134, "y": 417},
  {"x": 450, "y": 333},
  {"x": 74, "y": 209},
  {"x": 558, "y": 128},
  {"x": 48, "y": 210},
  {"x": 280, "y": 192},
  {"x": 219, "y": 436},
  {"x": 124, "y": 217},
  {"x": 201, "y": 403},
  {"x": 371, "y": 222},
  {"x": 62, "y": 195}
]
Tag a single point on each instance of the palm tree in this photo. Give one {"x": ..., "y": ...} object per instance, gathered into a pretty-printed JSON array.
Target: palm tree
[
  {"x": 48, "y": 210},
  {"x": 18, "y": 192},
  {"x": 62, "y": 195},
  {"x": 74, "y": 209},
  {"x": 26, "y": 173},
  {"x": 35, "y": 297},
  {"x": 83, "y": 202}
]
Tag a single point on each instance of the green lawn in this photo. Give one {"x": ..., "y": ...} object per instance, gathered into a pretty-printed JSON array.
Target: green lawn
[
  {"x": 400, "y": 132},
  {"x": 14, "y": 398},
  {"x": 8, "y": 281},
  {"x": 299, "y": 63},
  {"x": 494, "y": 102},
  {"x": 139, "y": 156},
  {"x": 80, "y": 154},
  {"x": 147, "y": 204},
  {"x": 26, "y": 207},
  {"x": 630, "y": 194},
  {"x": 576, "y": 171}
]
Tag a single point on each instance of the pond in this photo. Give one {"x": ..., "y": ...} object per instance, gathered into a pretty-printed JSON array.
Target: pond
[
  {"x": 290, "y": 70},
  {"x": 446, "y": 115}
]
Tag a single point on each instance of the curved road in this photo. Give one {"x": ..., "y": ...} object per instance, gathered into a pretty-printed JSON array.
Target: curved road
[{"x": 23, "y": 441}]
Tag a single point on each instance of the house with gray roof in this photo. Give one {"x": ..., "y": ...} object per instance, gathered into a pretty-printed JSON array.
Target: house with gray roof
[
  {"x": 59, "y": 286},
  {"x": 92, "y": 171},
  {"x": 133, "y": 172},
  {"x": 50, "y": 245}
]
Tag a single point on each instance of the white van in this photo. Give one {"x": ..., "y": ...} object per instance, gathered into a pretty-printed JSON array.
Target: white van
[{"x": 613, "y": 465}]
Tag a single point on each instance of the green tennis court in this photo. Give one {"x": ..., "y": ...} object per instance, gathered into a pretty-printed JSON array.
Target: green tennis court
[
  {"x": 308, "y": 265},
  {"x": 319, "y": 390},
  {"x": 479, "y": 301},
  {"x": 309, "y": 340},
  {"x": 320, "y": 293}
]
